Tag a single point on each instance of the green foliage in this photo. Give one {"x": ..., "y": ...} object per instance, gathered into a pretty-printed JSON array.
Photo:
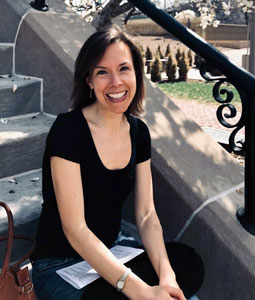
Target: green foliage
[
  {"x": 190, "y": 58},
  {"x": 156, "y": 70},
  {"x": 178, "y": 56},
  {"x": 159, "y": 53},
  {"x": 148, "y": 54},
  {"x": 183, "y": 67},
  {"x": 148, "y": 65},
  {"x": 171, "y": 68},
  {"x": 167, "y": 50}
]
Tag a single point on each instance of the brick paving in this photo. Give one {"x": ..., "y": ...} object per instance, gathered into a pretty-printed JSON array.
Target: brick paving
[{"x": 205, "y": 114}]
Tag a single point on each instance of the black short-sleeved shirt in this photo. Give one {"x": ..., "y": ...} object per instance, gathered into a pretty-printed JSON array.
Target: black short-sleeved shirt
[{"x": 105, "y": 191}]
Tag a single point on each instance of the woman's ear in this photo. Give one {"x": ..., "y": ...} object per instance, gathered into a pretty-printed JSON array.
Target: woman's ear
[{"x": 88, "y": 80}]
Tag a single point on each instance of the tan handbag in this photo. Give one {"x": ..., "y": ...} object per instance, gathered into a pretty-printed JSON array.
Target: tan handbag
[{"x": 15, "y": 283}]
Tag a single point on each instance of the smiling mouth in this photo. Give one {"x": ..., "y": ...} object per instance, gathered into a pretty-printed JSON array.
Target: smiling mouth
[{"x": 117, "y": 97}]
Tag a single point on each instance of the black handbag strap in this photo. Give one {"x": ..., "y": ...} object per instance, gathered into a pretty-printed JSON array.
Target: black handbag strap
[{"x": 9, "y": 238}]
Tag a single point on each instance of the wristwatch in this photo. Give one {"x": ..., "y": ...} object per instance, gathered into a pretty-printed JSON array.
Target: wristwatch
[{"x": 121, "y": 282}]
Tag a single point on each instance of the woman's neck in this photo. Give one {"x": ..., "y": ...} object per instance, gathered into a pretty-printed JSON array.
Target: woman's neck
[{"x": 103, "y": 118}]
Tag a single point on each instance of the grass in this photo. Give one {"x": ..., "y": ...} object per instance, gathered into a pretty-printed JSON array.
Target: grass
[{"x": 194, "y": 90}]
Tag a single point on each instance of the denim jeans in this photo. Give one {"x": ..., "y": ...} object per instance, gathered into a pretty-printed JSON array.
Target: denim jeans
[{"x": 49, "y": 285}]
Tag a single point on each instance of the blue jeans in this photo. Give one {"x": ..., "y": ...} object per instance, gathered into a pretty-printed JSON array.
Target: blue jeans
[{"x": 49, "y": 285}]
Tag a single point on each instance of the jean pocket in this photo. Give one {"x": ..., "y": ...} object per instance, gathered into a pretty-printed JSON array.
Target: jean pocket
[{"x": 51, "y": 264}]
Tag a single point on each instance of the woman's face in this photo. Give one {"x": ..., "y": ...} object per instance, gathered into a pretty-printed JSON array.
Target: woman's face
[{"x": 113, "y": 79}]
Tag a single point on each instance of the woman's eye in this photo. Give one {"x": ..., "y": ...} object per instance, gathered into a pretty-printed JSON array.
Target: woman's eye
[
  {"x": 101, "y": 72},
  {"x": 125, "y": 68}
]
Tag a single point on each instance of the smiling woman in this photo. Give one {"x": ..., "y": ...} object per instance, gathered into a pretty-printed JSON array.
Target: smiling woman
[
  {"x": 113, "y": 79},
  {"x": 95, "y": 156},
  {"x": 90, "y": 62}
]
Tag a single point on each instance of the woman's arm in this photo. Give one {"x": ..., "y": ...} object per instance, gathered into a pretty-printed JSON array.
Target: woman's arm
[
  {"x": 149, "y": 226},
  {"x": 69, "y": 194}
]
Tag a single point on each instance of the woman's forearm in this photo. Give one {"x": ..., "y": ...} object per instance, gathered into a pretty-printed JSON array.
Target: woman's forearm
[
  {"x": 151, "y": 234},
  {"x": 91, "y": 249}
]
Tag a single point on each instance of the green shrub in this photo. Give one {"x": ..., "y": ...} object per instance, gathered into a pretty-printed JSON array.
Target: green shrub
[
  {"x": 183, "y": 67},
  {"x": 148, "y": 54},
  {"x": 159, "y": 53},
  {"x": 167, "y": 50},
  {"x": 171, "y": 68},
  {"x": 148, "y": 65},
  {"x": 190, "y": 58},
  {"x": 156, "y": 70},
  {"x": 178, "y": 56}
]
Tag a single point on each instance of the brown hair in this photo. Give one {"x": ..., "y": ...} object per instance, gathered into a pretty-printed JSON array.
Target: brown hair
[{"x": 91, "y": 53}]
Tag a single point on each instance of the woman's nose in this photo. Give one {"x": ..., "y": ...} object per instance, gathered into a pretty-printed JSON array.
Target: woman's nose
[{"x": 116, "y": 80}]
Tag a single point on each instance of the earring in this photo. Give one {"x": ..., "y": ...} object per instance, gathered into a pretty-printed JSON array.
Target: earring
[{"x": 90, "y": 94}]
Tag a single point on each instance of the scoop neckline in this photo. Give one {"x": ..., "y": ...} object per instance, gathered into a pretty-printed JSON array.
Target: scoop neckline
[{"x": 95, "y": 149}]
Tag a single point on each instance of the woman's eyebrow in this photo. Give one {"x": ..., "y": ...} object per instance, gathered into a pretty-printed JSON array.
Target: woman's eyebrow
[{"x": 102, "y": 67}]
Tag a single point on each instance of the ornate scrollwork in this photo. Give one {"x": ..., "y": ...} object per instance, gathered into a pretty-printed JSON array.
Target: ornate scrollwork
[{"x": 224, "y": 96}]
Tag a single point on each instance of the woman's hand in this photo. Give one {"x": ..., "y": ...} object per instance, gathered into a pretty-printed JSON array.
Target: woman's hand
[
  {"x": 169, "y": 280},
  {"x": 162, "y": 293}
]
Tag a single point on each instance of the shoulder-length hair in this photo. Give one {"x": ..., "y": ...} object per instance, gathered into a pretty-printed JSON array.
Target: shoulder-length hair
[{"x": 91, "y": 53}]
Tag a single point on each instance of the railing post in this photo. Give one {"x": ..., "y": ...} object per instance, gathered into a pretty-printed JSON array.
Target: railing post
[
  {"x": 238, "y": 77},
  {"x": 39, "y": 5},
  {"x": 246, "y": 215}
]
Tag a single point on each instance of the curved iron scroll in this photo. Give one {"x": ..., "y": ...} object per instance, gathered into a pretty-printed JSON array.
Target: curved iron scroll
[{"x": 224, "y": 96}]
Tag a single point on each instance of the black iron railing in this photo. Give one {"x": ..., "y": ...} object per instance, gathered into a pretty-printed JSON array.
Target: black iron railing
[
  {"x": 242, "y": 80},
  {"x": 39, "y": 5}
]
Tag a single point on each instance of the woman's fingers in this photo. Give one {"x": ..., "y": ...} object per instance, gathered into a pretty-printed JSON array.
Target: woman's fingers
[{"x": 175, "y": 293}]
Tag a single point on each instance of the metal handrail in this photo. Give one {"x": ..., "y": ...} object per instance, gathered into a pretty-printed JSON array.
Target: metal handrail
[{"x": 233, "y": 74}]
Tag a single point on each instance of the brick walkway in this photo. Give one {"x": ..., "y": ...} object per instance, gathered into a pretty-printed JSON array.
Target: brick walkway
[{"x": 205, "y": 114}]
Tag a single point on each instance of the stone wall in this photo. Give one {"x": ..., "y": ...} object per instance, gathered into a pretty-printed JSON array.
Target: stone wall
[{"x": 227, "y": 32}]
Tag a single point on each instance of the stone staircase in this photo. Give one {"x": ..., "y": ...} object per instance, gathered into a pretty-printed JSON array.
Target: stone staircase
[{"x": 23, "y": 129}]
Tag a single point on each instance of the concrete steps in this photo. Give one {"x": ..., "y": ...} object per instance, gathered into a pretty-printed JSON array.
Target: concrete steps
[
  {"x": 19, "y": 96},
  {"x": 6, "y": 56},
  {"x": 22, "y": 144}
]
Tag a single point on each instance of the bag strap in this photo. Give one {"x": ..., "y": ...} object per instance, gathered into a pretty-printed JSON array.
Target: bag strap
[{"x": 10, "y": 238}]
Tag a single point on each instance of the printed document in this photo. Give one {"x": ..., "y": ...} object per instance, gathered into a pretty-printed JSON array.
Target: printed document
[{"x": 81, "y": 274}]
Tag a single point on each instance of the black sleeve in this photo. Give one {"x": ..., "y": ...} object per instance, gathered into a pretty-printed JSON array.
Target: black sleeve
[
  {"x": 143, "y": 142},
  {"x": 64, "y": 139}
]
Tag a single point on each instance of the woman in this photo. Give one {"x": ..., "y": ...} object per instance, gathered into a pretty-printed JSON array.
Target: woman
[{"x": 95, "y": 156}]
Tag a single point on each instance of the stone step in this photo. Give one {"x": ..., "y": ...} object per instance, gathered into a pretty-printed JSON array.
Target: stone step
[
  {"x": 22, "y": 144},
  {"x": 24, "y": 197},
  {"x": 6, "y": 54},
  {"x": 19, "y": 96}
]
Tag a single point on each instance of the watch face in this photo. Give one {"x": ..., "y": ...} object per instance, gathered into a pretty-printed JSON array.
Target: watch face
[{"x": 120, "y": 284}]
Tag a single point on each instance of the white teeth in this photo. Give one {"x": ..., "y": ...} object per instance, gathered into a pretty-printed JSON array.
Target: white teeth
[{"x": 119, "y": 95}]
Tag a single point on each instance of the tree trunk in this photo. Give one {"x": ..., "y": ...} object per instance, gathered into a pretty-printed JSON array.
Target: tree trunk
[{"x": 111, "y": 10}]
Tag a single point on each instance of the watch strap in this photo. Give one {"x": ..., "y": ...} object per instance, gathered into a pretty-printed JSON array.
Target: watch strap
[{"x": 121, "y": 282}]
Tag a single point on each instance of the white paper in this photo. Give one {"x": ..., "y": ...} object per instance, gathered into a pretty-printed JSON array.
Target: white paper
[{"x": 81, "y": 274}]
